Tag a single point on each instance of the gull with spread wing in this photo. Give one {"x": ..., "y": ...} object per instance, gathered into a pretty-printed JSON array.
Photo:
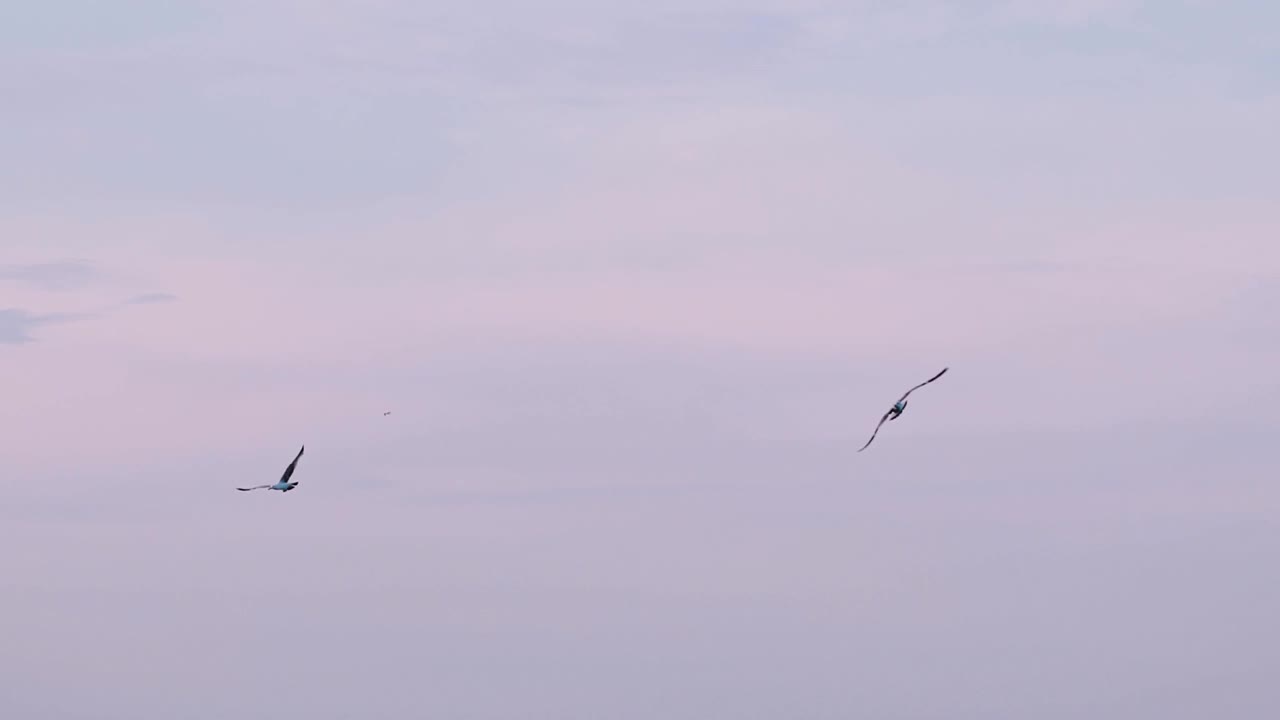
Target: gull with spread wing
[
  {"x": 284, "y": 485},
  {"x": 896, "y": 411}
]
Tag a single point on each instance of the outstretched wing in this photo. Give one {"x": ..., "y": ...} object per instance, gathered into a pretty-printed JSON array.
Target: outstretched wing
[
  {"x": 926, "y": 382},
  {"x": 288, "y": 472},
  {"x": 255, "y": 487},
  {"x": 876, "y": 432}
]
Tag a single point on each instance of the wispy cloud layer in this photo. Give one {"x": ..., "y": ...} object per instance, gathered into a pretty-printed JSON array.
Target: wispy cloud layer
[
  {"x": 152, "y": 299},
  {"x": 16, "y": 325},
  {"x": 59, "y": 275}
]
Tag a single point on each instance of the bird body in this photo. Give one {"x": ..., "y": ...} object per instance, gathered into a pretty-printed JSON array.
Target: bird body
[
  {"x": 284, "y": 484},
  {"x": 898, "y": 408}
]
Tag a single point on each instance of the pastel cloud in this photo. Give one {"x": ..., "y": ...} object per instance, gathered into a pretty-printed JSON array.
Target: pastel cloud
[
  {"x": 16, "y": 325},
  {"x": 58, "y": 275},
  {"x": 152, "y": 299}
]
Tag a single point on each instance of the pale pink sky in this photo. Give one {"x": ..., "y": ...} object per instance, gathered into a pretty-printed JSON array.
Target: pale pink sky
[{"x": 635, "y": 281}]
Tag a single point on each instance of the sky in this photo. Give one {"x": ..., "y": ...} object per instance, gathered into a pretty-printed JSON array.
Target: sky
[{"x": 635, "y": 281}]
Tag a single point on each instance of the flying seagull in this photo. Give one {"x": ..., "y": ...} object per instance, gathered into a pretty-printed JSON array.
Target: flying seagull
[
  {"x": 284, "y": 485},
  {"x": 898, "y": 407}
]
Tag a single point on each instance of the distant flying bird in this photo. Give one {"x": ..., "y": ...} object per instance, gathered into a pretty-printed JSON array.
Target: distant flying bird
[
  {"x": 284, "y": 485},
  {"x": 386, "y": 413},
  {"x": 898, "y": 407}
]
